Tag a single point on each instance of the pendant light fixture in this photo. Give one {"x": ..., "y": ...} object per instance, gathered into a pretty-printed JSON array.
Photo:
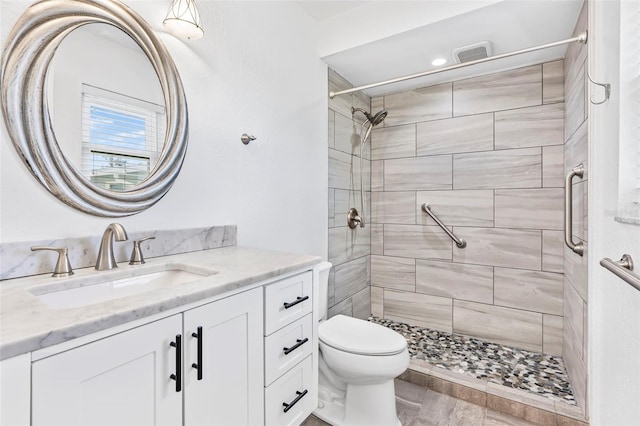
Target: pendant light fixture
[{"x": 183, "y": 20}]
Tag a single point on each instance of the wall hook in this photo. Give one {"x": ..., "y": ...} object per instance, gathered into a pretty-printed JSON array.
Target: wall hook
[
  {"x": 245, "y": 138},
  {"x": 605, "y": 86}
]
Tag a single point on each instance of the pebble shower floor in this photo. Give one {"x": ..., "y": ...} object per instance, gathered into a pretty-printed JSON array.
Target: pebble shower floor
[{"x": 534, "y": 372}]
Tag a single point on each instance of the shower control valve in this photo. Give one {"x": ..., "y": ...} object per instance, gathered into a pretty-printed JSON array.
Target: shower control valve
[{"x": 354, "y": 219}]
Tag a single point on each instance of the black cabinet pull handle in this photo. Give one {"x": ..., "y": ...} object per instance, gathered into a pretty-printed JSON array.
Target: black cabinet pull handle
[
  {"x": 178, "y": 376},
  {"x": 299, "y": 343},
  {"x": 298, "y": 300},
  {"x": 198, "y": 365},
  {"x": 290, "y": 405}
]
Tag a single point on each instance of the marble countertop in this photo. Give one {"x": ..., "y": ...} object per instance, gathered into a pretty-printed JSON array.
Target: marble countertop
[{"x": 28, "y": 324}]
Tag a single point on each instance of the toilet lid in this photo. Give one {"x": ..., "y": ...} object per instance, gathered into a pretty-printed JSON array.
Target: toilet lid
[{"x": 360, "y": 337}]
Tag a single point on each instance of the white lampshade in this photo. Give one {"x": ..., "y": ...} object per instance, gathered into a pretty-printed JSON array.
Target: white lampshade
[{"x": 183, "y": 20}]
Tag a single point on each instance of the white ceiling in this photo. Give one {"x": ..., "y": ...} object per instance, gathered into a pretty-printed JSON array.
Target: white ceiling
[
  {"x": 321, "y": 10},
  {"x": 509, "y": 25}
]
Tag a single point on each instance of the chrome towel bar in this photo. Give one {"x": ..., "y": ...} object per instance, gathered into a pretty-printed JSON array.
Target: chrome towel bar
[
  {"x": 622, "y": 269},
  {"x": 460, "y": 243},
  {"x": 568, "y": 209}
]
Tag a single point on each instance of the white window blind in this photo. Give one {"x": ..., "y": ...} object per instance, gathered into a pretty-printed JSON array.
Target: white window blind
[{"x": 122, "y": 138}]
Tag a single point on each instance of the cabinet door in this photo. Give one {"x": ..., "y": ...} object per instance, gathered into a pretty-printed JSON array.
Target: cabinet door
[
  {"x": 120, "y": 380},
  {"x": 15, "y": 390},
  {"x": 231, "y": 389}
]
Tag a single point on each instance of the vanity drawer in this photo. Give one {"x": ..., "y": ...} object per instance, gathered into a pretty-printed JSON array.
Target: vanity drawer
[
  {"x": 294, "y": 389},
  {"x": 286, "y": 301},
  {"x": 287, "y": 347}
]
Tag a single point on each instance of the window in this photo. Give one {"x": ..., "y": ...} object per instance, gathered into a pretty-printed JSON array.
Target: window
[
  {"x": 629, "y": 93},
  {"x": 121, "y": 138},
  {"x": 633, "y": 32}
]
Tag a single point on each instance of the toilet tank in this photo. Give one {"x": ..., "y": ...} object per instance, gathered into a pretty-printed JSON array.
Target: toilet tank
[{"x": 322, "y": 270}]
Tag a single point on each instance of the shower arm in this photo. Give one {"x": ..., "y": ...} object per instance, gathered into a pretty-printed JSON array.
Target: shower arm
[{"x": 581, "y": 38}]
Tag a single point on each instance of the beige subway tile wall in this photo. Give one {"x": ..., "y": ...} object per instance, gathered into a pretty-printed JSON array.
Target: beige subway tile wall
[
  {"x": 552, "y": 333},
  {"x": 487, "y": 155},
  {"x": 553, "y": 82},
  {"x": 553, "y": 166},
  {"x": 394, "y": 142},
  {"x": 512, "y": 327},
  {"x": 512, "y": 89},
  {"x": 428, "y": 103},
  {"x": 393, "y": 272},
  {"x": 455, "y": 280},
  {"x": 528, "y": 127},
  {"x": 457, "y": 208},
  {"x": 349, "y": 249},
  {"x": 553, "y": 251},
  {"x": 418, "y": 309},
  {"x": 508, "y": 168},
  {"x": 460, "y": 134}
]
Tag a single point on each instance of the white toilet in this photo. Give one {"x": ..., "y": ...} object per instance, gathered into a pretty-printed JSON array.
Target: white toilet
[{"x": 358, "y": 362}]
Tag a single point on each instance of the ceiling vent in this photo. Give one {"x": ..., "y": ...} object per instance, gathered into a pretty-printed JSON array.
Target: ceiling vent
[{"x": 472, "y": 52}]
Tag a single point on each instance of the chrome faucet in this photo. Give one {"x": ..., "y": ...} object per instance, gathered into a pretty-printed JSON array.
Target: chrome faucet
[{"x": 106, "y": 260}]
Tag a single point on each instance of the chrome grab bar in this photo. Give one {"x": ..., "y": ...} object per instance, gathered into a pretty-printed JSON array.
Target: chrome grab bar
[
  {"x": 568, "y": 210},
  {"x": 460, "y": 243},
  {"x": 622, "y": 269}
]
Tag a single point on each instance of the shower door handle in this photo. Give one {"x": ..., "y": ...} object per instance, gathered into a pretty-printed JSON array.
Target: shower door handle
[{"x": 568, "y": 210}]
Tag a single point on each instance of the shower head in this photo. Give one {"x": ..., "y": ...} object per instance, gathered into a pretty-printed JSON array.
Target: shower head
[
  {"x": 378, "y": 118},
  {"x": 373, "y": 119}
]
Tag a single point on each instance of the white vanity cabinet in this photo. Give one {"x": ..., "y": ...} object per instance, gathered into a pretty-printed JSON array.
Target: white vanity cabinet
[
  {"x": 290, "y": 358},
  {"x": 224, "y": 387},
  {"x": 137, "y": 378},
  {"x": 15, "y": 390},
  {"x": 119, "y": 380},
  {"x": 246, "y": 357}
]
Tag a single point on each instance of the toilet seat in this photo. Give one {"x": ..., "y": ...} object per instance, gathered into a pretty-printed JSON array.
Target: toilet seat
[{"x": 360, "y": 337}]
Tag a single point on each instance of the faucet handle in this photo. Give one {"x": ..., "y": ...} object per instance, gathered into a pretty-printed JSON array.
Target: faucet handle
[
  {"x": 63, "y": 266},
  {"x": 136, "y": 254}
]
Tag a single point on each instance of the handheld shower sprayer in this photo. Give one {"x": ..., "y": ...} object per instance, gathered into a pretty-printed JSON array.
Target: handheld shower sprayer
[
  {"x": 373, "y": 119},
  {"x": 353, "y": 218}
]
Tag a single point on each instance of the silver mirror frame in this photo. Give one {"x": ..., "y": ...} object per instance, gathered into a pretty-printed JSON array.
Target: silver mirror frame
[{"x": 30, "y": 47}]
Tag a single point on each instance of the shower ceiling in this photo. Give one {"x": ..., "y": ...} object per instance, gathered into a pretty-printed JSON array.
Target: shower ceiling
[{"x": 509, "y": 25}]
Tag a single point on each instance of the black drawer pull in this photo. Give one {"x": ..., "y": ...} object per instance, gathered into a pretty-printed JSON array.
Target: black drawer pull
[
  {"x": 298, "y": 300},
  {"x": 299, "y": 343},
  {"x": 178, "y": 376},
  {"x": 288, "y": 406},
  {"x": 198, "y": 365}
]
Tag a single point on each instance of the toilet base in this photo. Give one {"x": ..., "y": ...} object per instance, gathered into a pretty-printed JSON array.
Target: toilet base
[{"x": 362, "y": 405}]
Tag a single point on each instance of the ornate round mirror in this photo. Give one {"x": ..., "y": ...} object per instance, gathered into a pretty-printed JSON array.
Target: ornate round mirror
[{"x": 94, "y": 105}]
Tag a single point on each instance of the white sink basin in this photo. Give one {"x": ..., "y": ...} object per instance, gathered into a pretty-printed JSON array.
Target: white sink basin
[{"x": 125, "y": 281}]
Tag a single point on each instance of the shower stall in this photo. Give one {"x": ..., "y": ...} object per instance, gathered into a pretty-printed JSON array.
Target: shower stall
[{"x": 489, "y": 156}]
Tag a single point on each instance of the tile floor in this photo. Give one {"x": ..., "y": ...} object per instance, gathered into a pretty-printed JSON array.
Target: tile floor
[
  {"x": 418, "y": 406},
  {"x": 538, "y": 373}
]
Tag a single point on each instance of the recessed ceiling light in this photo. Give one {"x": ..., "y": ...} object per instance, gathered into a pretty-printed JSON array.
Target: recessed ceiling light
[{"x": 439, "y": 61}]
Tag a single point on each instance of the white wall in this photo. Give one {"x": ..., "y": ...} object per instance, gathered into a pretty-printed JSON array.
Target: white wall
[
  {"x": 614, "y": 306},
  {"x": 256, "y": 70}
]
